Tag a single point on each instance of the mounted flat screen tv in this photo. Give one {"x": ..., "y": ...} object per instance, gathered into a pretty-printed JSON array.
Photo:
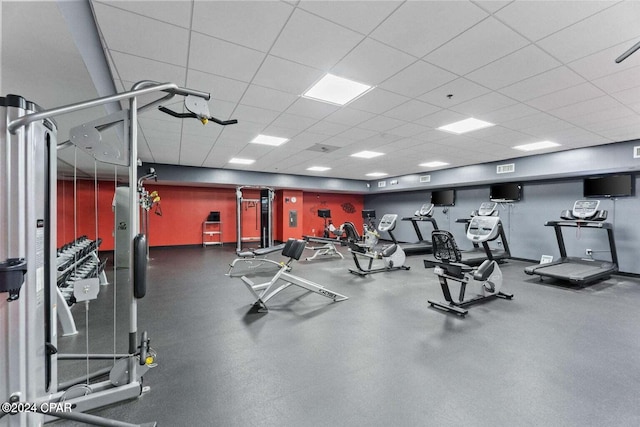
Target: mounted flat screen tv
[
  {"x": 609, "y": 186},
  {"x": 443, "y": 197},
  {"x": 508, "y": 192}
]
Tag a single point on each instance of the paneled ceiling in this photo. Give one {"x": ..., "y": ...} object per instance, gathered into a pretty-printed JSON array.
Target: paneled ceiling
[{"x": 539, "y": 70}]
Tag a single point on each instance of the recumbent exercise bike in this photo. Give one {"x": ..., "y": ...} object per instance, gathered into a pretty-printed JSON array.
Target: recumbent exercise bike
[{"x": 448, "y": 267}]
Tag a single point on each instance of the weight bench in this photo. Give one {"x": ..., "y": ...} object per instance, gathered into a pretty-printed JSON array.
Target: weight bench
[
  {"x": 257, "y": 256},
  {"x": 263, "y": 292},
  {"x": 327, "y": 249}
]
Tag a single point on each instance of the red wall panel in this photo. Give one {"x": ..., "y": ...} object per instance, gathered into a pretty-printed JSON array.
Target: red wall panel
[{"x": 185, "y": 208}]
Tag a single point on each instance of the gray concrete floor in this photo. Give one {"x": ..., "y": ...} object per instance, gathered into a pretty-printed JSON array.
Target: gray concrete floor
[{"x": 553, "y": 356}]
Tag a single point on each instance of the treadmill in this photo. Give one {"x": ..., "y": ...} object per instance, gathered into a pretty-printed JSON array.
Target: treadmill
[
  {"x": 489, "y": 230},
  {"x": 422, "y": 246},
  {"x": 579, "y": 271}
]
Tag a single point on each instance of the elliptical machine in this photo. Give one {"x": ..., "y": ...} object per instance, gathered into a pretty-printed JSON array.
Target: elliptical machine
[
  {"x": 392, "y": 255},
  {"x": 448, "y": 267}
]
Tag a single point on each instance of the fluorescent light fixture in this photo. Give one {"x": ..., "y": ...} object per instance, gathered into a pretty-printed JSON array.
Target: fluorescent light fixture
[
  {"x": 269, "y": 140},
  {"x": 318, "y": 168},
  {"x": 336, "y": 90},
  {"x": 377, "y": 174},
  {"x": 239, "y": 161},
  {"x": 466, "y": 125},
  {"x": 434, "y": 164},
  {"x": 536, "y": 146},
  {"x": 367, "y": 154}
]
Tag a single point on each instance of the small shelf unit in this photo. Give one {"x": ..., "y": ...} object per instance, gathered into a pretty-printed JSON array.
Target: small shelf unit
[{"x": 211, "y": 233}]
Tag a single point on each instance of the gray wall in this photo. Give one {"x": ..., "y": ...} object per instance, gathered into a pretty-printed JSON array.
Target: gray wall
[{"x": 524, "y": 220}]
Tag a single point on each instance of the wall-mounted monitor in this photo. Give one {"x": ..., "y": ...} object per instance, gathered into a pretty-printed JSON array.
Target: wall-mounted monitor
[
  {"x": 324, "y": 213},
  {"x": 508, "y": 192},
  {"x": 608, "y": 186},
  {"x": 368, "y": 213},
  {"x": 443, "y": 197}
]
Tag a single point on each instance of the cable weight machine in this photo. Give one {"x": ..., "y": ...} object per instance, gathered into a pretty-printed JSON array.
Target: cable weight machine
[
  {"x": 28, "y": 331},
  {"x": 264, "y": 216}
]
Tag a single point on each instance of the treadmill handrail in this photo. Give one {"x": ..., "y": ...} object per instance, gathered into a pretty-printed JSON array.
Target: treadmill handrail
[{"x": 580, "y": 223}]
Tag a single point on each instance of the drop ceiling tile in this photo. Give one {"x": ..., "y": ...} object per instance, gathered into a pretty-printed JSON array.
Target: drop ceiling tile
[
  {"x": 309, "y": 138},
  {"x": 600, "y": 31},
  {"x": 585, "y": 107},
  {"x": 327, "y": 128},
  {"x": 461, "y": 89},
  {"x": 230, "y": 60},
  {"x": 292, "y": 121},
  {"x": 614, "y": 122},
  {"x": 432, "y": 135},
  {"x": 358, "y": 134},
  {"x": 313, "y": 41},
  {"x": 349, "y": 116},
  {"x": 153, "y": 39},
  {"x": 543, "y": 84},
  {"x": 254, "y": 24},
  {"x": 564, "y": 97},
  {"x": 262, "y": 97},
  {"x": 287, "y": 76},
  {"x": 220, "y": 88},
  {"x": 622, "y": 80},
  {"x": 483, "y": 104},
  {"x": 281, "y": 132},
  {"x": 416, "y": 79},
  {"x": 625, "y": 133},
  {"x": 401, "y": 144},
  {"x": 357, "y": 15},
  {"x": 525, "y": 63},
  {"x": 478, "y": 46},
  {"x": 378, "y": 101},
  {"x": 492, "y": 6},
  {"x": 381, "y": 123},
  {"x": 441, "y": 118},
  {"x": 509, "y": 113},
  {"x": 372, "y": 62},
  {"x": 628, "y": 97},
  {"x": 310, "y": 108},
  {"x": 536, "y": 20},
  {"x": 134, "y": 68},
  {"x": 603, "y": 63},
  {"x": 412, "y": 110},
  {"x": 539, "y": 119},
  {"x": 249, "y": 113},
  {"x": 418, "y": 27},
  {"x": 408, "y": 130},
  {"x": 176, "y": 13},
  {"x": 338, "y": 141}
]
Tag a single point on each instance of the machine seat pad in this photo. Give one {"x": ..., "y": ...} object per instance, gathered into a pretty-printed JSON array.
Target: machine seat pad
[
  {"x": 294, "y": 248},
  {"x": 270, "y": 249}
]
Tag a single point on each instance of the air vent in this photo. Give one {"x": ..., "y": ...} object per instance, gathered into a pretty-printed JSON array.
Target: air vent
[
  {"x": 425, "y": 178},
  {"x": 636, "y": 152},
  {"x": 382, "y": 184},
  {"x": 322, "y": 148},
  {"x": 508, "y": 168}
]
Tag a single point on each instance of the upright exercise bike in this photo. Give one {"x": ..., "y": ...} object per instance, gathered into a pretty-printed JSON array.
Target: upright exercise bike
[{"x": 448, "y": 267}]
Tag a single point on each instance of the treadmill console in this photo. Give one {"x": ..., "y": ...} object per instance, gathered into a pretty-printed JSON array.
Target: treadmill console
[
  {"x": 425, "y": 210},
  {"x": 584, "y": 209},
  {"x": 483, "y": 228},
  {"x": 487, "y": 208},
  {"x": 388, "y": 222}
]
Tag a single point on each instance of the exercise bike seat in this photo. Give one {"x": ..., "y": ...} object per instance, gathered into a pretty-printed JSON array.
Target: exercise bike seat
[{"x": 389, "y": 250}]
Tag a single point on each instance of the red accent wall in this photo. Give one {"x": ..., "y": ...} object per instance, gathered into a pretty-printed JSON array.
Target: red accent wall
[
  {"x": 77, "y": 219},
  {"x": 185, "y": 208},
  {"x": 344, "y": 207}
]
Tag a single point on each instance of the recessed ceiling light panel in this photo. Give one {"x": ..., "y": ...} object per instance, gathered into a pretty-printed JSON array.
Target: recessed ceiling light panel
[
  {"x": 318, "y": 168},
  {"x": 367, "y": 154},
  {"x": 433, "y": 164},
  {"x": 239, "y": 161},
  {"x": 377, "y": 174},
  {"x": 269, "y": 140},
  {"x": 466, "y": 125},
  {"x": 536, "y": 146},
  {"x": 336, "y": 90}
]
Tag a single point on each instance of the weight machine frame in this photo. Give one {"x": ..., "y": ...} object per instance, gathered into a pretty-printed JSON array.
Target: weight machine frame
[{"x": 28, "y": 359}]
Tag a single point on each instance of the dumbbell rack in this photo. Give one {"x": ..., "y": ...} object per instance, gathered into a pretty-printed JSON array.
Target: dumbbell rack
[{"x": 76, "y": 260}]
